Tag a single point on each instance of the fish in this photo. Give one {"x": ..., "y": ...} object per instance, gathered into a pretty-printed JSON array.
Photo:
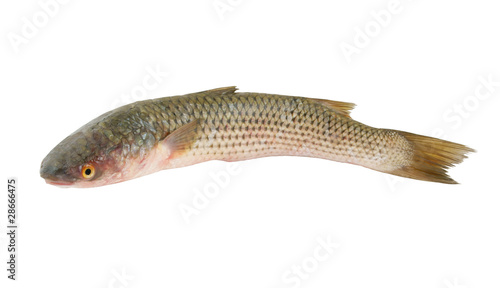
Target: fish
[{"x": 147, "y": 136}]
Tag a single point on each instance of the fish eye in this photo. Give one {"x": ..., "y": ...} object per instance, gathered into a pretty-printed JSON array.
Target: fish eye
[{"x": 88, "y": 171}]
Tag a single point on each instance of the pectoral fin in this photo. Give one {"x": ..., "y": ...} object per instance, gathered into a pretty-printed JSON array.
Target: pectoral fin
[{"x": 182, "y": 139}]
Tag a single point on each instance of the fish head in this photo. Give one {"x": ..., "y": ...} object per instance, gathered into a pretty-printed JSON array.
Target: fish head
[
  {"x": 112, "y": 148},
  {"x": 81, "y": 160}
]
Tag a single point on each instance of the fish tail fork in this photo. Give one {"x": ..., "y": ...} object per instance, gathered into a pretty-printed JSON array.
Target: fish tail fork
[{"x": 431, "y": 158}]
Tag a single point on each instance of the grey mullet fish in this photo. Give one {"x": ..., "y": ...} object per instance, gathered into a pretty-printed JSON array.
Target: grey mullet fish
[{"x": 221, "y": 124}]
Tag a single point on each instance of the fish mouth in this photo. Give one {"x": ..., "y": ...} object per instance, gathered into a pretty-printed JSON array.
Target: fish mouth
[
  {"x": 55, "y": 175},
  {"x": 58, "y": 183}
]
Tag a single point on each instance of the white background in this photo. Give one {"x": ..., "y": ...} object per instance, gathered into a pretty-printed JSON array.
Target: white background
[{"x": 414, "y": 73}]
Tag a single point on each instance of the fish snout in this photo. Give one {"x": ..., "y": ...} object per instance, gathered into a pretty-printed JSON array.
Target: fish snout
[{"x": 55, "y": 175}]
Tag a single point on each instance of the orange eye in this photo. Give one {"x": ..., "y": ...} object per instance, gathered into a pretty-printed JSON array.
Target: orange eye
[{"x": 88, "y": 171}]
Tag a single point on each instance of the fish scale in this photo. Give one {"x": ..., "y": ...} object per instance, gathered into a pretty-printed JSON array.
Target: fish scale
[
  {"x": 291, "y": 123},
  {"x": 221, "y": 124}
]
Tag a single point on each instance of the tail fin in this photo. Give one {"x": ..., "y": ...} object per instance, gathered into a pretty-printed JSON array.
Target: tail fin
[{"x": 431, "y": 158}]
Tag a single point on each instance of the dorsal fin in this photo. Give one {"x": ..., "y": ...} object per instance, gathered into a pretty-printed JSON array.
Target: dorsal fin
[
  {"x": 223, "y": 90},
  {"x": 343, "y": 108}
]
